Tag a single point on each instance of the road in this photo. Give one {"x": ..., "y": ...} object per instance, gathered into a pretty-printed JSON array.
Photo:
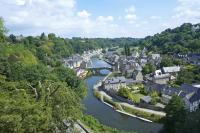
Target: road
[
  {"x": 143, "y": 109},
  {"x": 135, "y": 107}
]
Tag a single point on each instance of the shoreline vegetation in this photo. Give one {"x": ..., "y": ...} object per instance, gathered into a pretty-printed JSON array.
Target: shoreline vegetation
[
  {"x": 96, "y": 127},
  {"x": 139, "y": 114}
]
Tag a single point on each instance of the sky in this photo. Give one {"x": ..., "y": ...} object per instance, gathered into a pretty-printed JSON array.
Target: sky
[{"x": 97, "y": 18}]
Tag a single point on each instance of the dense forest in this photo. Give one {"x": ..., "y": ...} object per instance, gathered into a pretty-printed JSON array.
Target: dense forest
[
  {"x": 171, "y": 42},
  {"x": 37, "y": 92},
  {"x": 183, "y": 39}
]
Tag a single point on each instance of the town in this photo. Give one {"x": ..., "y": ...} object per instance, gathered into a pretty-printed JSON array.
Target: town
[
  {"x": 129, "y": 83},
  {"x": 99, "y": 66}
]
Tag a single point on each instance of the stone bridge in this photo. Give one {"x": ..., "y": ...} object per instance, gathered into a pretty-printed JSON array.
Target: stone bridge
[{"x": 97, "y": 70}]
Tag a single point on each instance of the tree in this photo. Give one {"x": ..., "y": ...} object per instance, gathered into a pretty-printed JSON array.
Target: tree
[
  {"x": 191, "y": 124},
  {"x": 175, "y": 115},
  {"x": 166, "y": 62},
  {"x": 155, "y": 97},
  {"x": 185, "y": 76},
  {"x": 51, "y": 36},
  {"x": 3, "y": 30},
  {"x": 20, "y": 112},
  {"x": 43, "y": 37},
  {"x": 148, "y": 68},
  {"x": 127, "y": 50},
  {"x": 124, "y": 92},
  {"x": 13, "y": 38}
]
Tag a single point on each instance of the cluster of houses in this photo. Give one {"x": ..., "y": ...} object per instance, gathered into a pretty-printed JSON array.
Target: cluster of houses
[
  {"x": 164, "y": 75},
  {"x": 79, "y": 63},
  {"x": 189, "y": 93},
  {"x": 193, "y": 59},
  {"x": 130, "y": 69},
  {"x": 113, "y": 84},
  {"x": 131, "y": 66}
]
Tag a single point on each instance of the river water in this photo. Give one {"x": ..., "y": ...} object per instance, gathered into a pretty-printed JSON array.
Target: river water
[{"x": 107, "y": 115}]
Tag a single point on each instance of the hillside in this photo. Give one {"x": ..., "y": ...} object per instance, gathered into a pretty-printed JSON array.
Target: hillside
[
  {"x": 183, "y": 39},
  {"x": 37, "y": 92}
]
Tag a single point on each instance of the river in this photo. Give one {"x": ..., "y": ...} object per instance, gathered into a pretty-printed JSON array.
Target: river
[{"x": 107, "y": 115}]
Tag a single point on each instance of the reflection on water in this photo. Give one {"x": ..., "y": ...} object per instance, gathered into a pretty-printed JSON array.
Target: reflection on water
[
  {"x": 97, "y": 63},
  {"x": 104, "y": 71}
]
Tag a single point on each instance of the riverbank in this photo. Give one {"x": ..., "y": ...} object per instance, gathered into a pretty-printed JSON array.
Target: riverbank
[
  {"x": 136, "y": 112},
  {"x": 119, "y": 109},
  {"x": 96, "y": 127},
  {"x": 107, "y": 115}
]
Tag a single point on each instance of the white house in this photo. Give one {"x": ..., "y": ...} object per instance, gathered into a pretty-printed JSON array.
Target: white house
[
  {"x": 171, "y": 70},
  {"x": 114, "y": 84}
]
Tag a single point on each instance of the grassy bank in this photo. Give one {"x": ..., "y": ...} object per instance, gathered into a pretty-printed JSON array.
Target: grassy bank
[
  {"x": 149, "y": 116},
  {"x": 97, "y": 94},
  {"x": 117, "y": 106},
  {"x": 96, "y": 127}
]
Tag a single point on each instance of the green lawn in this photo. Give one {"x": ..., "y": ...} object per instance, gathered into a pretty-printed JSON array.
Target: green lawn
[
  {"x": 135, "y": 97},
  {"x": 96, "y": 127}
]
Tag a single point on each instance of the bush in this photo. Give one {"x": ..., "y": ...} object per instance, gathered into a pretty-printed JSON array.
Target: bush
[
  {"x": 97, "y": 127},
  {"x": 152, "y": 117}
]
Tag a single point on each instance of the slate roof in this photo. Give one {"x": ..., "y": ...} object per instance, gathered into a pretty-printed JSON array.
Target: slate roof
[
  {"x": 190, "y": 92},
  {"x": 171, "y": 69},
  {"x": 155, "y": 56},
  {"x": 188, "y": 88},
  {"x": 146, "y": 99},
  {"x": 195, "y": 56},
  {"x": 163, "y": 76},
  {"x": 171, "y": 91},
  {"x": 195, "y": 96},
  {"x": 155, "y": 87},
  {"x": 115, "y": 80}
]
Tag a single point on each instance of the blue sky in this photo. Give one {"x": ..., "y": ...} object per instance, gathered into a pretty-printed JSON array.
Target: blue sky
[{"x": 97, "y": 18}]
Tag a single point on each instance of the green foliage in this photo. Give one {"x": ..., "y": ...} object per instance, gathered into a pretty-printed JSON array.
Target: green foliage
[
  {"x": 191, "y": 124},
  {"x": 37, "y": 94},
  {"x": 127, "y": 50},
  {"x": 22, "y": 111},
  {"x": 124, "y": 92},
  {"x": 97, "y": 94},
  {"x": 17, "y": 53},
  {"x": 155, "y": 97},
  {"x": 135, "y": 97},
  {"x": 175, "y": 115},
  {"x": 149, "y": 116},
  {"x": 188, "y": 75},
  {"x": 183, "y": 39},
  {"x": 166, "y": 62},
  {"x": 97, "y": 127},
  {"x": 148, "y": 68},
  {"x": 3, "y": 30}
]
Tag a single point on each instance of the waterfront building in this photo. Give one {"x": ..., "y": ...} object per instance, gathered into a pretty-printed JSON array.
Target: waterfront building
[{"x": 114, "y": 84}]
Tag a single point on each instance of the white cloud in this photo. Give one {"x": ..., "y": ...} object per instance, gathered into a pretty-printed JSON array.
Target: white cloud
[
  {"x": 187, "y": 10},
  {"x": 130, "y": 9},
  {"x": 32, "y": 17},
  {"x": 83, "y": 14},
  {"x": 130, "y": 16},
  {"x": 20, "y": 2},
  {"x": 63, "y": 17},
  {"x": 105, "y": 19}
]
